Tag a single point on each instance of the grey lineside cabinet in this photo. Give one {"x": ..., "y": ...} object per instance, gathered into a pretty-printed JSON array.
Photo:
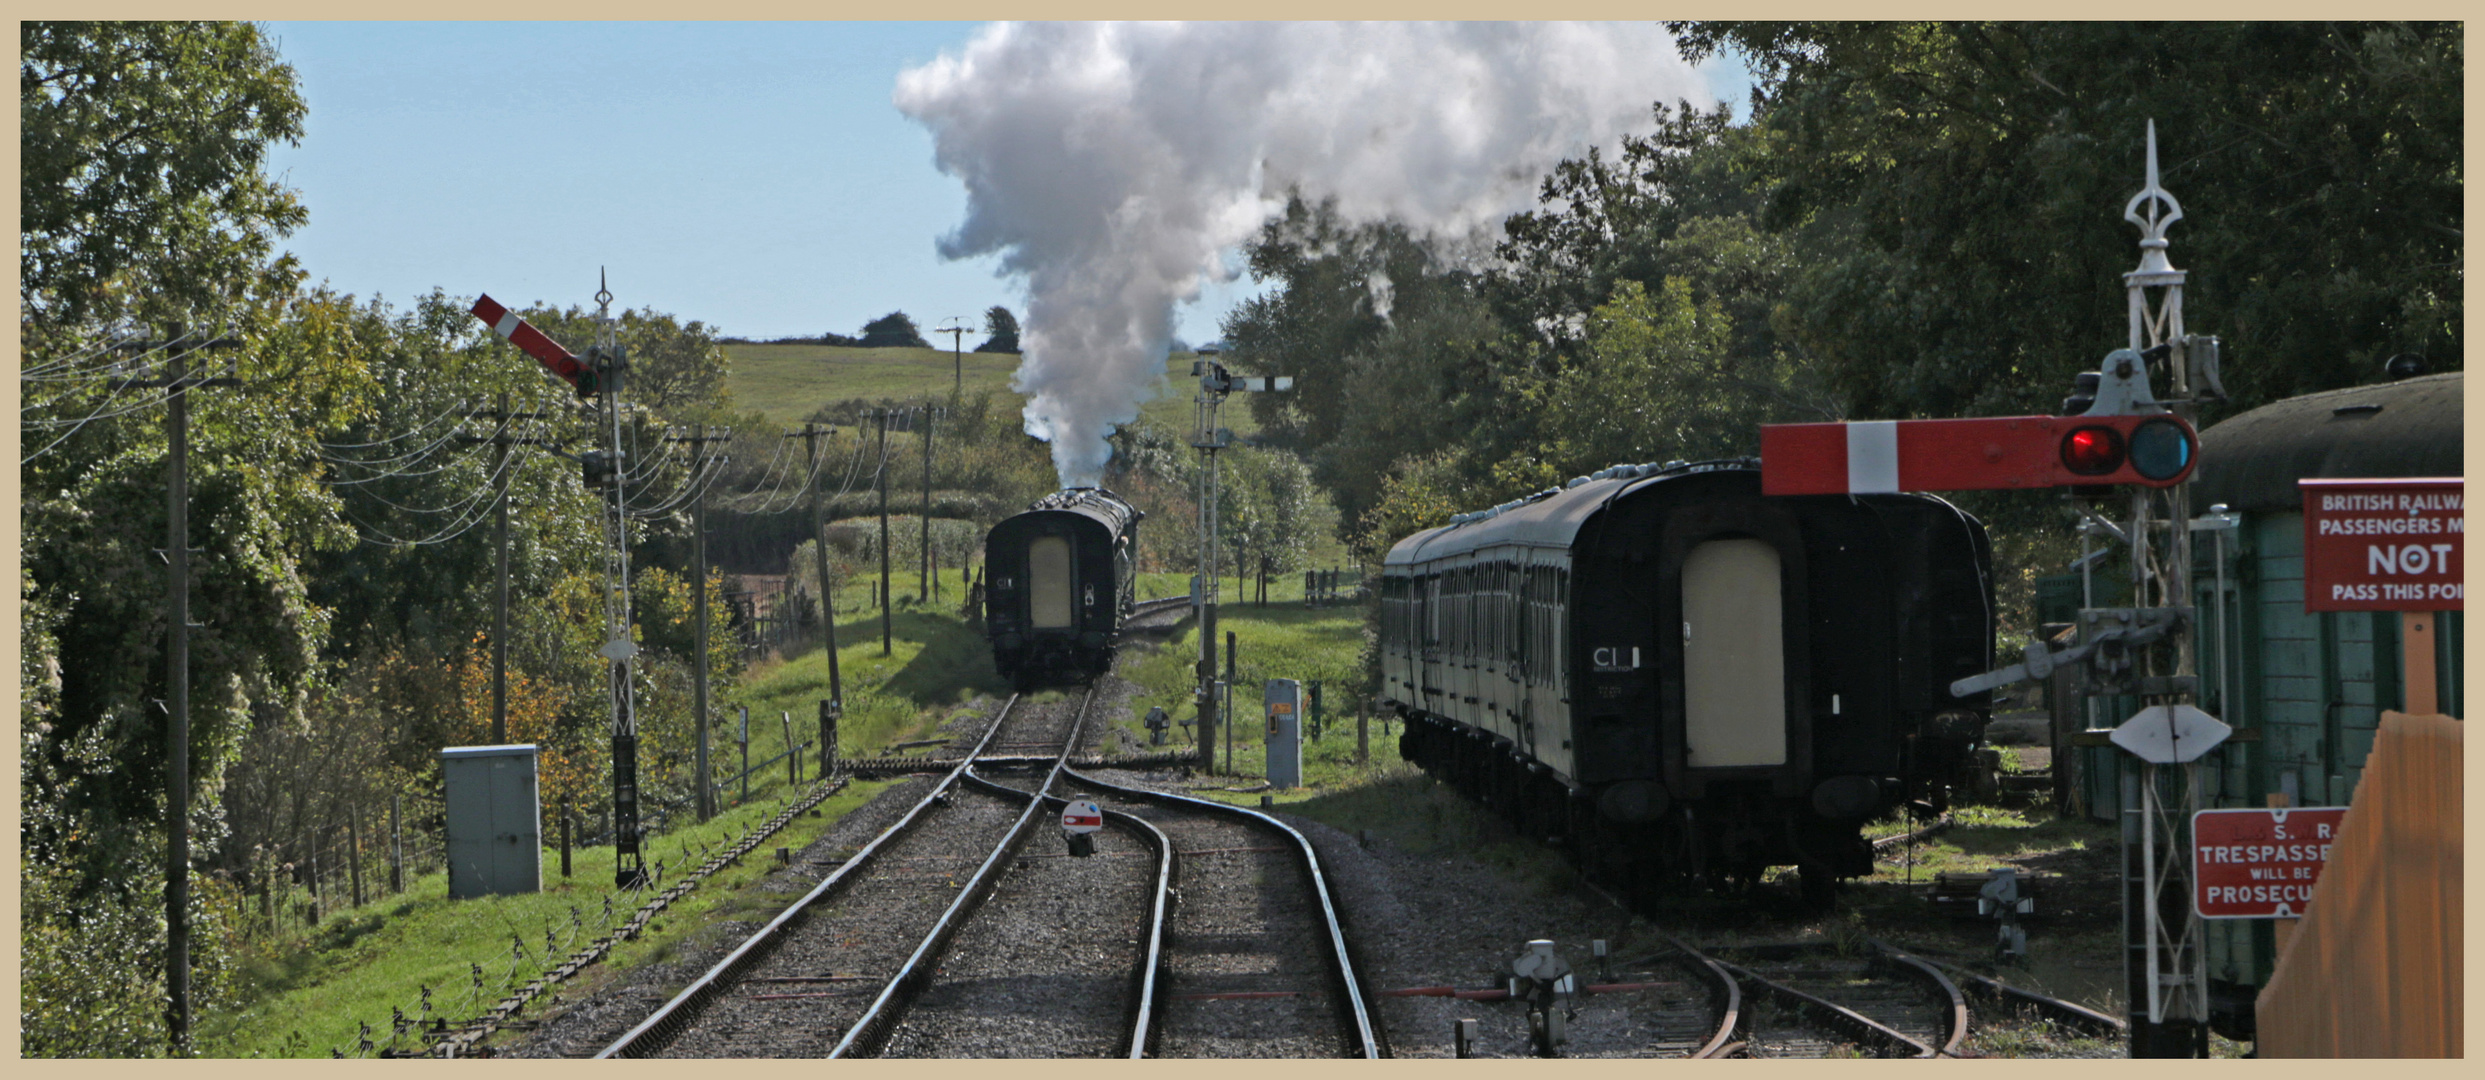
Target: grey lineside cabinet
[{"x": 495, "y": 828}]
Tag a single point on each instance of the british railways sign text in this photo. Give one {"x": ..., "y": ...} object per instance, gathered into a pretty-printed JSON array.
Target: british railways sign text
[{"x": 2382, "y": 545}]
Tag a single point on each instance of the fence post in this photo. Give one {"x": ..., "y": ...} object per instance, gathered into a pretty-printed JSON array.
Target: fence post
[
  {"x": 314, "y": 875},
  {"x": 353, "y": 850},
  {"x": 396, "y": 848},
  {"x": 564, "y": 837},
  {"x": 828, "y": 739},
  {"x": 1363, "y": 732},
  {"x": 791, "y": 758}
]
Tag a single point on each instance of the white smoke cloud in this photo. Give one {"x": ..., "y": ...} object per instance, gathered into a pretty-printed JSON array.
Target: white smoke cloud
[{"x": 1109, "y": 164}]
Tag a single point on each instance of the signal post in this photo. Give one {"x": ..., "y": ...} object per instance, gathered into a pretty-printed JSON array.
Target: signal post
[
  {"x": 2117, "y": 434},
  {"x": 1214, "y": 384}
]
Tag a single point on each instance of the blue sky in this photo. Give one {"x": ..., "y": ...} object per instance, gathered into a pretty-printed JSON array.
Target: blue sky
[{"x": 751, "y": 175}]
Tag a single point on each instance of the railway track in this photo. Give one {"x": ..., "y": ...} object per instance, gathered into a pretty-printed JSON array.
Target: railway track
[
  {"x": 1868, "y": 999},
  {"x": 1061, "y": 961},
  {"x": 829, "y": 963},
  {"x": 1254, "y": 962}
]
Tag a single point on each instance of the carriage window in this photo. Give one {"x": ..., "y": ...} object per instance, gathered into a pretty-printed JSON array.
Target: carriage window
[{"x": 1048, "y": 583}]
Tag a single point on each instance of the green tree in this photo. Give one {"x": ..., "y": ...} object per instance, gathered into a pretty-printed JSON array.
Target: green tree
[
  {"x": 1658, "y": 382},
  {"x": 1000, "y": 331},
  {"x": 141, "y": 183},
  {"x": 895, "y": 329},
  {"x": 676, "y": 368},
  {"x": 1602, "y": 221},
  {"x": 1954, "y": 189}
]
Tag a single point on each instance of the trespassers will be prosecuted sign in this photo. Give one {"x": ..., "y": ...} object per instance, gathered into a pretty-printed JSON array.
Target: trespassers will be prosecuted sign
[
  {"x": 2382, "y": 545},
  {"x": 2260, "y": 864}
]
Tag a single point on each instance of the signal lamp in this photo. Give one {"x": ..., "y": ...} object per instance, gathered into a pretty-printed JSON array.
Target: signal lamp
[
  {"x": 2094, "y": 451},
  {"x": 2160, "y": 449}
]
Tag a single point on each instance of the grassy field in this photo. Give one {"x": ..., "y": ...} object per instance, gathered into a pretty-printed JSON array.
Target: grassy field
[
  {"x": 313, "y": 996},
  {"x": 789, "y": 382},
  {"x": 363, "y": 962},
  {"x": 1281, "y": 641}
]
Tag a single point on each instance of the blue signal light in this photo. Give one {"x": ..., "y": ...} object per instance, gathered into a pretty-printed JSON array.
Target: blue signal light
[{"x": 2160, "y": 449}]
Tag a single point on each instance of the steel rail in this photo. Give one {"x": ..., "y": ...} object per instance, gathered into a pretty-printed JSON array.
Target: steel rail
[
  {"x": 1145, "y": 608},
  {"x": 1147, "y": 980},
  {"x": 2004, "y": 995},
  {"x": 1954, "y": 1012},
  {"x": 1729, "y": 992},
  {"x": 874, "y": 768},
  {"x": 1357, "y": 1018},
  {"x": 1862, "y": 1028},
  {"x": 872, "y": 1028},
  {"x": 658, "y": 1030}
]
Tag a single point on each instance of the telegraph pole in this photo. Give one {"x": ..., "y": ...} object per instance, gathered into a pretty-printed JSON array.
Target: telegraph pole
[
  {"x": 929, "y": 583},
  {"x": 700, "y": 463},
  {"x": 833, "y": 708},
  {"x": 881, "y": 475},
  {"x": 176, "y": 383},
  {"x": 957, "y": 360},
  {"x": 501, "y": 441}
]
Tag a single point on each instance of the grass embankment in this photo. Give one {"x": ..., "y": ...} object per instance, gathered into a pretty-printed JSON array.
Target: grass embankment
[
  {"x": 787, "y": 383},
  {"x": 1283, "y": 640},
  {"x": 314, "y": 994},
  {"x": 365, "y": 961}
]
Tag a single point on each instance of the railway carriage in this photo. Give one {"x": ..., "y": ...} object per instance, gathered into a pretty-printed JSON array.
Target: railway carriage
[
  {"x": 1680, "y": 676},
  {"x": 1059, "y": 580}
]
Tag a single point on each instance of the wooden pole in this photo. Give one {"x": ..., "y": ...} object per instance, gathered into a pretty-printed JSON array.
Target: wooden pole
[
  {"x": 884, "y": 533},
  {"x": 2283, "y": 930},
  {"x": 2416, "y": 656},
  {"x": 565, "y": 838},
  {"x": 353, "y": 850},
  {"x": 396, "y": 848},
  {"x": 314, "y": 866}
]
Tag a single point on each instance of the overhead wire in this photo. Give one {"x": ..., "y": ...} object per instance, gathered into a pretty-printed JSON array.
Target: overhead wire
[
  {"x": 104, "y": 410},
  {"x": 484, "y": 497},
  {"x": 466, "y": 510}
]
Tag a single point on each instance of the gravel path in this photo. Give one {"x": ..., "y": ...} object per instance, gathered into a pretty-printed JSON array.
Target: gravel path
[
  {"x": 868, "y": 930},
  {"x": 1416, "y": 920},
  {"x": 1244, "y": 923},
  {"x": 1877, "y": 991},
  {"x": 583, "y": 1027},
  {"x": 1045, "y": 968}
]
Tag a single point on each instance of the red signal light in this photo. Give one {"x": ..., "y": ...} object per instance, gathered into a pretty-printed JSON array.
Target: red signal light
[
  {"x": 1997, "y": 453},
  {"x": 2092, "y": 450}
]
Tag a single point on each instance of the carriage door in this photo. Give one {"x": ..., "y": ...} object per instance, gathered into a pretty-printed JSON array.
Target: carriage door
[
  {"x": 1048, "y": 583},
  {"x": 1734, "y": 658}
]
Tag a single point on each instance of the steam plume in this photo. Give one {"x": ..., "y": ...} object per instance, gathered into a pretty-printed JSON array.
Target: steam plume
[{"x": 1110, "y": 164}]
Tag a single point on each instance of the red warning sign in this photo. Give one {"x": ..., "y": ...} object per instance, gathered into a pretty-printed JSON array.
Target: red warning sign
[
  {"x": 2260, "y": 864},
  {"x": 2383, "y": 545},
  {"x": 1082, "y": 817}
]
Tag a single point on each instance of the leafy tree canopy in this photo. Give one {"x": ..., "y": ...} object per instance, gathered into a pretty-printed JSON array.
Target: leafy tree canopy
[
  {"x": 893, "y": 329},
  {"x": 1956, "y": 189},
  {"x": 1000, "y": 331},
  {"x": 141, "y": 189}
]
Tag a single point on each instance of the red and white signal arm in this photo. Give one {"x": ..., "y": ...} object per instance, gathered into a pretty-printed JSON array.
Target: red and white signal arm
[
  {"x": 2384, "y": 545},
  {"x": 1997, "y": 453},
  {"x": 529, "y": 340},
  {"x": 1081, "y": 816},
  {"x": 2260, "y": 864}
]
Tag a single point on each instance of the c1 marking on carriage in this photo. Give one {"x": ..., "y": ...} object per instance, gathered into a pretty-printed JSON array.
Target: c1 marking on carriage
[{"x": 1082, "y": 817}]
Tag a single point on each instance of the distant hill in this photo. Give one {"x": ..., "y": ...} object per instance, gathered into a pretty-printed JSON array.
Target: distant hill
[{"x": 789, "y": 382}]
